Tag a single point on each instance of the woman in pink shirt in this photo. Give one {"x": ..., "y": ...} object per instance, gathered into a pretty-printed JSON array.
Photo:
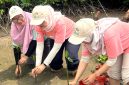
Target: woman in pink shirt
[
  {"x": 107, "y": 36},
  {"x": 22, "y": 35},
  {"x": 59, "y": 28}
]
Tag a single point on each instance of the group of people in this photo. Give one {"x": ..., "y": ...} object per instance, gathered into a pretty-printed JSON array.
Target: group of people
[{"x": 108, "y": 36}]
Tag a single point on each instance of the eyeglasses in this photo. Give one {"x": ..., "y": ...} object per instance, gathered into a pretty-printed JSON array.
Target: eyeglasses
[{"x": 17, "y": 18}]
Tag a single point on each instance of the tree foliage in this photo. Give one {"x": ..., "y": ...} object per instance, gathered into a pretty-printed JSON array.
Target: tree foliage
[
  {"x": 58, "y": 4},
  {"x": 67, "y": 7}
]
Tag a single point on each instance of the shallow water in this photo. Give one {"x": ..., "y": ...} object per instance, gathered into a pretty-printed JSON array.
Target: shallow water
[{"x": 7, "y": 67}]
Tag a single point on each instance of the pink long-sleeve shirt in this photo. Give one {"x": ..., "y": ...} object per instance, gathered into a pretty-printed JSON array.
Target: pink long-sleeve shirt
[
  {"x": 116, "y": 40},
  {"x": 62, "y": 30}
]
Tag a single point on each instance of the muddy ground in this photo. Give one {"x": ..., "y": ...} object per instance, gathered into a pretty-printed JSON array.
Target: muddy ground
[
  {"x": 7, "y": 65},
  {"x": 7, "y": 68}
]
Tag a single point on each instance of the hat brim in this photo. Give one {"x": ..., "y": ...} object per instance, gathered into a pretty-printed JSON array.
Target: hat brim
[
  {"x": 76, "y": 40},
  {"x": 36, "y": 22},
  {"x": 12, "y": 16}
]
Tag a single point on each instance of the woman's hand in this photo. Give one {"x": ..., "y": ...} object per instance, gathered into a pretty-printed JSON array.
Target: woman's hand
[
  {"x": 18, "y": 70},
  {"x": 37, "y": 70},
  {"x": 73, "y": 82},
  {"x": 90, "y": 79},
  {"x": 23, "y": 59}
]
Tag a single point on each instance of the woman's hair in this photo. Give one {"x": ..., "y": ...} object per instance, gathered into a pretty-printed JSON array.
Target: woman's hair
[{"x": 125, "y": 18}]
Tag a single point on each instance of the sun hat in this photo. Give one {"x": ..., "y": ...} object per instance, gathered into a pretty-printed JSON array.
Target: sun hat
[
  {"x": 15, "y": 10},
  {"x": 82, "y": 29},
  {"x": 40, "y": 13}
]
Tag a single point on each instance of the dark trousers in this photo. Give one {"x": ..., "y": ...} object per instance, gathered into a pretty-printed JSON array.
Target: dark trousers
[
  {"x": 73, "y": 54},
  {"x": 32, "y": 49}
]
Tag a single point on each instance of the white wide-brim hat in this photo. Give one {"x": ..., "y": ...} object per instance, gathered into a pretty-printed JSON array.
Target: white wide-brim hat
[
  {"x": 40, "y": 14},
  {"x": 82, "y": 29},
  {"x": 36, "y": 21},
  {"x": 14, "y": 11},
  {"x": 76, "y": 40}
]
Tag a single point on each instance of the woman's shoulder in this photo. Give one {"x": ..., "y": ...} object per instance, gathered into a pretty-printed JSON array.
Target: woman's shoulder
[
  {"x": 28, "y": 15},
  {"x": 64, "y": 21}
]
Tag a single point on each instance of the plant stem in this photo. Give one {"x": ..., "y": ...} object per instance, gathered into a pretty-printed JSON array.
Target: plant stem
[
  {"x": 18, "y": 74},
  {"x": 67, "y": 76},
  {"x": 18, "y": 50},
  {"x": 35, "y": 79}
]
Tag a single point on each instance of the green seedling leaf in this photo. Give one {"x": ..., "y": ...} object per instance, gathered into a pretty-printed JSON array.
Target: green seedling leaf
[{"x": 67, "y": 56}]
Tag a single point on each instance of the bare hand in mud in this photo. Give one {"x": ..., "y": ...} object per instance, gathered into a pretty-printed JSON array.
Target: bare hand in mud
[
  {"x": 38, "y": 69},
  {"x": 90, "y": 79},
  {"x": 73, "y": 83}
]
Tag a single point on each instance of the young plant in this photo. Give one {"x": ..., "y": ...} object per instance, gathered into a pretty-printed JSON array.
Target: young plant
[
  {"x": 102, "y": 59},
  {"x": 102, "y": 79},
  {"x": 70, "y": 60},
  {"x": 18, "y": 51}
]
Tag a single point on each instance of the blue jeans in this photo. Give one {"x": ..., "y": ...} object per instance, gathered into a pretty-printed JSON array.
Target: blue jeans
[{"x": 73, "y": 53}]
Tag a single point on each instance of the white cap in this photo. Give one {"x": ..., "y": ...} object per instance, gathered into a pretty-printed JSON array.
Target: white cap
[
  {"x": 82, "y": 29},
  {"x": 14, "y": 11},
  {"x": 40, "y": 13}
]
